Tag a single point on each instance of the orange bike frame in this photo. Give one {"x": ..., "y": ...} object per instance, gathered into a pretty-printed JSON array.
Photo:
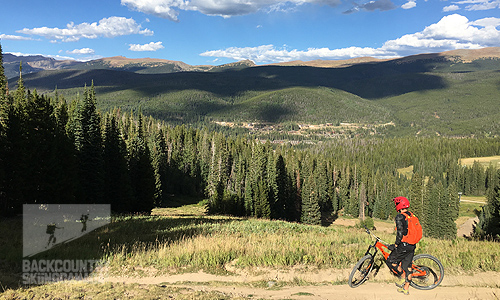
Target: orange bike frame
[{"x": 378, "y": 245}]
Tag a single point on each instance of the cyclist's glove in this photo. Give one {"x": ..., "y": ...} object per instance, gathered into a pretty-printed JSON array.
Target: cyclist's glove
[{"x": 391, "y": 247}]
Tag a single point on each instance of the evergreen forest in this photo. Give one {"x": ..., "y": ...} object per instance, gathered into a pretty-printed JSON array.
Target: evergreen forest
[{"x": 59, "y": 150}]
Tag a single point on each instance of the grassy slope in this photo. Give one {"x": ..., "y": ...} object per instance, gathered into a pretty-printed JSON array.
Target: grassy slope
[{"x": 183, "y": 239}]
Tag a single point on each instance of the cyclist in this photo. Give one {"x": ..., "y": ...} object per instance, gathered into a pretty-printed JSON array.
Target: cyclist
[{"x": 402, "y": 252}]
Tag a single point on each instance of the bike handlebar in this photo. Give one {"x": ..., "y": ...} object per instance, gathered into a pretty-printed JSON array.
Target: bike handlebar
[{"x": 376, "y": 237}]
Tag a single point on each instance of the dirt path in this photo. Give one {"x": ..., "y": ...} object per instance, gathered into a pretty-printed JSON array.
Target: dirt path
[
  {"x": 466, "y": 229},
  {"x": 280, "y": 286},
  {"x": 319, "y": 284},
  {"x": 367, "y": 291}
]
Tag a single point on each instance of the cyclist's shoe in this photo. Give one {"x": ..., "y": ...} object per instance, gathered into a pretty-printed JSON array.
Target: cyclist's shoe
[
  {"x": 400, "y": 282},
  {"x": 404, "y": 291}
]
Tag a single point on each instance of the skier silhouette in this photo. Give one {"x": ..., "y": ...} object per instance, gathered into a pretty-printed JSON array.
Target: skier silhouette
[
  {"x": 84, "y": 219},
  {"x": 51, "y": 230}
]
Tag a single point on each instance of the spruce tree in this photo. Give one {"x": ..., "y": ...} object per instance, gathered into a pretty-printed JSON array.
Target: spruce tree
[
  {"x": 430, "y": 210},
  {"x": 283, "y": 206},
  {"x": 311, "y": 213},
  {"x": 117, "y": 191},
  {"x": 4, "y": 114},
  {"x": 489, "y": 218},
  {"x": 142, "y": 175},
  {"x": 88, "y": 143},
  {"x": 16, "y": 148},
  {"x": 218, "y": 174},
  {"x": 160, "y": 165}
]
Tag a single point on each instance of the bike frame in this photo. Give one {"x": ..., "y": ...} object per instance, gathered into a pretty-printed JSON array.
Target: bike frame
[{"x": 379, "y": 246}]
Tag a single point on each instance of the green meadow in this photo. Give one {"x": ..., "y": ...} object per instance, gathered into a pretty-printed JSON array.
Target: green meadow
[{"x": 185, "y": 239}]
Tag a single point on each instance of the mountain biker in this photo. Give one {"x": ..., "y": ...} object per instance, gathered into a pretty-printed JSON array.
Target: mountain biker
[{"x": 402, "y": 252}]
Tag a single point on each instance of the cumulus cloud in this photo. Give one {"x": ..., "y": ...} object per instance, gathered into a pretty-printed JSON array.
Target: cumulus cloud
[
  {"x": 147, "y": 47},
  {"x": 107, "y": 27},
  {"x": 373, "y": 5},
  {"x": 83, "y": 51},
  {"x": 269, "y": 53},
  {"x": 452, "y": 7},
  {"x": 169, "y": 9},
  {"x": 451, "y": 32},
  {"x": 14, "y": 37},
  {"x": 409, "y": 4}
]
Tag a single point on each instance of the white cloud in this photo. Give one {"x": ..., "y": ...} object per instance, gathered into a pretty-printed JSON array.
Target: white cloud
[
  {"x": 169, "y": 9},
  {"x": 452, "y": 7},
  {"x": 450, "y": 33},
  {"x": 14, "y": 37},
  {"x": 107, "y": 27},
  {"x": 472, "y": 5},
  {"x": 269, "y": 53},
  {"x": 83, "y": 51},
  {"x": 409, "y": 4},
  {"x": 147, "y": 47}
]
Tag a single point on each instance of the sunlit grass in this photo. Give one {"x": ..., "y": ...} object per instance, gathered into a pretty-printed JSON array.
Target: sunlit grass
[{"x": 172, "y": 242}]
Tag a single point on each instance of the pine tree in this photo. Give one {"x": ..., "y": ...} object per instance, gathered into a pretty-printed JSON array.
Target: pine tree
[
  {"x": 3, "y": 91},
  {"x": 4, "y": 114},
  {"x": 489, "y": 218},
  {"x": 117, "y": 183},
  {"x": 311, "y": 213},
  {"x": 88, "y": 143},
  {"x": 218, "y": 174},
  {"x": 41, "y": 152},
  {"x": 141, "y": 169},
  {"x": 67, "y": 173},
  {"x": 430, "y": 210},
  {"x": 15, "y": 148},
  {"x": 160, "y": 165},
  {"x": 283, "y": 207}
]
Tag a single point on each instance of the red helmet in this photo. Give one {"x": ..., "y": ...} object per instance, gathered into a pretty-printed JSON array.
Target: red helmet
[{"x": 401, "y": 202}]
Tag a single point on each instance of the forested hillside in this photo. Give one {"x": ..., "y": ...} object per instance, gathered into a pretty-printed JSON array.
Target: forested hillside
[
  {"x": 66, "y": 150},
  {"x": 426, "y": 95}
]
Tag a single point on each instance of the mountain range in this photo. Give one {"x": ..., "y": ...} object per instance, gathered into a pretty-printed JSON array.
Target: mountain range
[
  {"x": 36, "y": 63},
  {"x": 453, "y": 93}
]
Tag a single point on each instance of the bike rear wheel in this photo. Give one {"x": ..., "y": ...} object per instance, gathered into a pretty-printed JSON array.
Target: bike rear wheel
[
  {"x": 427, "y": 272},
  {"x": 361, "y": 270}
]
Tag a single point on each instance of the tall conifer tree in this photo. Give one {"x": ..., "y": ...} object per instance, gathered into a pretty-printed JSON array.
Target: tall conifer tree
[
  {"x": 4, "y": 114},
  {"x": 88, "y": 143},
  {"x": 117, "y": 183},
  {"x": 141, "y": 171}
]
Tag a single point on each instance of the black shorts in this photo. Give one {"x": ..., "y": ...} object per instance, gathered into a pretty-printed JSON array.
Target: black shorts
[{"x": 403, "y": 254}]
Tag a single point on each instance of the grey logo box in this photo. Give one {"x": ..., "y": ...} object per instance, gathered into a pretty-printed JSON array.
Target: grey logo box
[{"x": 48, "y": 225}]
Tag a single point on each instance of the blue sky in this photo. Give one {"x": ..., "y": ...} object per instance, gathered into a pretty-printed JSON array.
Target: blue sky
[{"x": 220, "y": 31}]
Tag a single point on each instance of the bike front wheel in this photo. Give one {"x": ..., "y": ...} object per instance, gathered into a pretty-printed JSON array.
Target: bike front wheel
[
  {"x": 361, "y": 270},
  {"x": 427, "y": 272}
]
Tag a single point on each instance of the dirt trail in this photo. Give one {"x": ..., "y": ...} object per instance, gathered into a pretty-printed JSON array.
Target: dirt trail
[
  {"x": 481, "y": 286},
  {"x": 248, "y": 283},
  {"x": 366, "y": 291}
]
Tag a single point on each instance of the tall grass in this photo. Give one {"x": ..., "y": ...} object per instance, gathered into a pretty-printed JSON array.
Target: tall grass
[
  {"x": 277, "y": 244},
  {"x": 246, "y": 243},
  {"x": 166, "y": 244}
]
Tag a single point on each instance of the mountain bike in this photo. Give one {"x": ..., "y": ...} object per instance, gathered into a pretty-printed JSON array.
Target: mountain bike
[{"x": 427, "y": 271}]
